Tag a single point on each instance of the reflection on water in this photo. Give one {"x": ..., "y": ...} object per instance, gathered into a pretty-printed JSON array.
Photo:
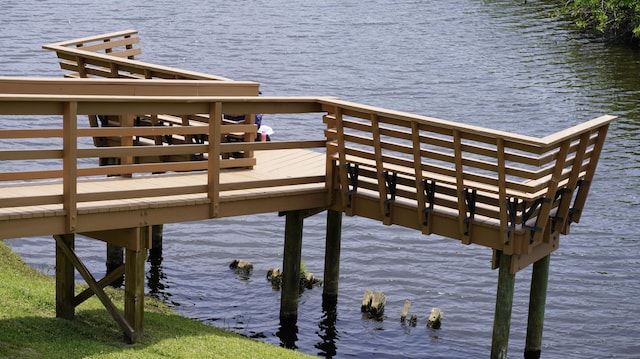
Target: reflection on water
[
  {"x": 288, "y": 333},
  {"x": 501, "y": 64},
  {"x": 327, "y": 328}
]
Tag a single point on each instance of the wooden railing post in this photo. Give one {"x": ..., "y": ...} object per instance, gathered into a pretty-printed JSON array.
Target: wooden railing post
[
  {"x": 465, "y": 228},
  {"x": 562, "y": 213},
  {"x": 134, "y": 283},
  {"x": 342, "y": 157},
  {"x": 70, "y": 163},
  {"x": 65, "y": 285},
  {"x": 545, "y": 208},
  {"x": 213, "y": 169},
  {"x": 507, "y": 238},
  {"x": 581, "y": 196},
  {"x": 377, "y": 153}
]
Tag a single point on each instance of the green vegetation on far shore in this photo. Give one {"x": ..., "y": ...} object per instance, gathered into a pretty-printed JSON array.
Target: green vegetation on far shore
[
  {"x": 617, "y": 20},
  {"x": 30, "y": 329}
]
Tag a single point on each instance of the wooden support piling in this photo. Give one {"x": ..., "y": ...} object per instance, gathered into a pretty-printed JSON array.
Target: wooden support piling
[
  {"x": 291, "y": 266},
  {"x": 156, "y": 237},
  {"x": 332, "y": 255},
  {"x": 537, "y": 302},
  {"x": 115, "y": 258},
  {"x": 65, "y": 307},
  {"x": 504, "y": 304},
  {"x": 134, "y": 285}
]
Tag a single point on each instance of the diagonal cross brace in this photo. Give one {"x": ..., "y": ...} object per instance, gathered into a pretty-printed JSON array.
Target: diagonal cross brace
[{"x": 95, "y": 287}]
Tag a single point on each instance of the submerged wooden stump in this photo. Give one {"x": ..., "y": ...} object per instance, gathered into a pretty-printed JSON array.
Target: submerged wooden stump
[
  {"x": 435, "y": 318},
  {"x": 373, "y": 304},
  {"x": 274, "y": 276},
  {"x": 308, "y": 280},
  {"x": 405, "y": 310},
  {"x": 366, "y": 301},
  {"x": 242, "y": 267},
  {"x": 377, "y": 304}
]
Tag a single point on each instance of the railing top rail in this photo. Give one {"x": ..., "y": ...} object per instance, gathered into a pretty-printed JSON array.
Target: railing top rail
[
  {"x": 134, "y": 63},
  {"x": 549, "y": 140},
  {"x": 272, "y": 104},
  {"x": 40, "y": 104},
  {"x": 105, "y": 86},
  {"x": 8, "y": 97},
  {"x": 94, "y": 38},
  {"x": 559, "y": 136}
]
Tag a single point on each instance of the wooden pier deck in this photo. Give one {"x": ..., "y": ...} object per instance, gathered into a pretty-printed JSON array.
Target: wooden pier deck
[
  {"x": 112, "y": 203},
  {"x": 511, "y": 193}
]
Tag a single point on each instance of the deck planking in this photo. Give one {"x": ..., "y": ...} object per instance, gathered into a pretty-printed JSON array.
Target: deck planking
[{"x": 243, "y": 184}]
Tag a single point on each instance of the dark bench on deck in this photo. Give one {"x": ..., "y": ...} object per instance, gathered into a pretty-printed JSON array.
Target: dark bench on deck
[{"x": 113, "y": 55}]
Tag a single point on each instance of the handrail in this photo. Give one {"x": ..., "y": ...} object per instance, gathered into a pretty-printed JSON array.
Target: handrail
[
  {"x": 96, "y": 38},
  {"x": 87, "y": 63},
  {"x": 479, "y": 176},
  {"x": 125, "y": 87}
]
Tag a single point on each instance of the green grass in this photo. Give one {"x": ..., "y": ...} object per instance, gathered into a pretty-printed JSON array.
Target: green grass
[{"x": 30, "y": 329}]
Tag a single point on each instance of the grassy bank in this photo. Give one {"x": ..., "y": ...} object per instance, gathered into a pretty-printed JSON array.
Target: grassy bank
[{"x": 29, "y": 328}]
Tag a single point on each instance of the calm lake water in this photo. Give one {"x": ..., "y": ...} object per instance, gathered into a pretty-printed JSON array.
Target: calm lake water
[{"x": 500, "y": 64}]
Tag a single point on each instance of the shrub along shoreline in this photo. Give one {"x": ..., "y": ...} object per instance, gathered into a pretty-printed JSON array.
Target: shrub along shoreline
[
  {"x": 30, "y": 329},
  {"x": 616, "y": 20}
]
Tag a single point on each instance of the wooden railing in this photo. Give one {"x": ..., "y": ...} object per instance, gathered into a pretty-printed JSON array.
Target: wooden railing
[
  {"x": 463, "y": 181},
  {"x": 112, "y": 55},
  {"x": 242, "y": 130},
  {"x": 67, "y": 160},
  {"x": 509, "y": 192}
]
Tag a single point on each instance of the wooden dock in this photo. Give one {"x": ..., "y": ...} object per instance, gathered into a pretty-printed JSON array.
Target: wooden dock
[{"x": 511, "y": 193}]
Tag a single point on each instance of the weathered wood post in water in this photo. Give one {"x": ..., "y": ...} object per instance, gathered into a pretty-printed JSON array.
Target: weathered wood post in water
[
  {"x": 291, "y": 266},
  {"x": 537, "y": 300},
  {"x": 504, "y": 304},
  {"x": 332, "y": 256}
]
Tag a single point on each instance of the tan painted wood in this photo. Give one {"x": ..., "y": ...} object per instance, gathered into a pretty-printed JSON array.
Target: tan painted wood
[
  {"x": 65, "y": 282},
  {"x": 581, "y": 196},
  {"x": 158, "y": 87},
  {"x": 70, "y": 165},
  {"x": 563, "y": 210},
  {"x": 507, "y": 238},
  {"x": 89, "y": 279},
  {"x": 377, "y": 154},
  {"x": 97, "y": 38},
  {"x": 134, "y": 283},
  {"x": 419, "y": 187},
  {"x": 214, "y": 153},
  {"x": 494, "y": 164}
]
